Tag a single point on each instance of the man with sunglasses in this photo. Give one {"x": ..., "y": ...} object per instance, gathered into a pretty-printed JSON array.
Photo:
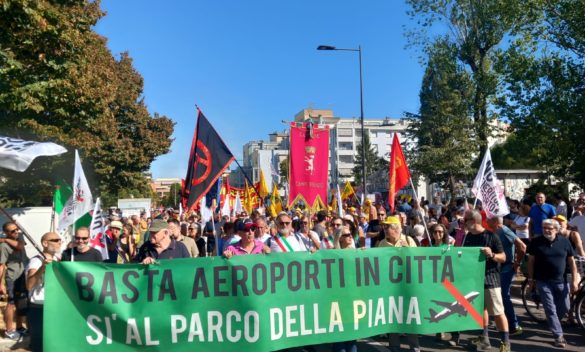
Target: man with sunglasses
[
  {"x": 35, "y": 283},
  {"x": 285, "y": 240},
  {"x": 13, "y": 261},
  {"x": 79, "y": 250}
]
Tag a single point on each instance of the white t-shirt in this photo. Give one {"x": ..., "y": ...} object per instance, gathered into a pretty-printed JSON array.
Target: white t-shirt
[
  {"x": 294, "y": 241},
  {"x": 37, "y": 293},
  {"x": 309, "y": 241},
  {"x": 522, "y": 220}
]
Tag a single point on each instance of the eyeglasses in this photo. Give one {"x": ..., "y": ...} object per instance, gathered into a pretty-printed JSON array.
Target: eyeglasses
[
  {"x": 77, "y": 238},
  {"x": 55, "y": 240}
]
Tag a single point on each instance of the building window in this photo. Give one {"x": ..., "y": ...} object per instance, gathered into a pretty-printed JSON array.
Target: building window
[
  {"x": 344, "y": 132},
  {"x": 347, "y": 159},
  {"x": 345, "y": 145}
]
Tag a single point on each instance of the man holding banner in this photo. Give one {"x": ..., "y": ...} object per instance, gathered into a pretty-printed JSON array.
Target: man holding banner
[
  {"x": 79, "y": 250},
  {"x": 492, "y": 248}
]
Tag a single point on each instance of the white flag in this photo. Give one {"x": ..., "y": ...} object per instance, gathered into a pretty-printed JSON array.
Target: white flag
[
  {"x": 66, "y": 216},
  {"x": 489, "y": 190},
  {"x": 206, "y": 213},
  {"x": 17, "y": 154},
  {"x": 238, "y": 208},
  {"x": 82, "y": 201},
  {"x": 97, "y": 231},
  {"x": 339, "y": 203},
  {"x": 225, "y": 210}
]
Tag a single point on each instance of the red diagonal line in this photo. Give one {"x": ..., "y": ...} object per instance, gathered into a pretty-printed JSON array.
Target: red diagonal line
[{"x": 464, "y": 302}]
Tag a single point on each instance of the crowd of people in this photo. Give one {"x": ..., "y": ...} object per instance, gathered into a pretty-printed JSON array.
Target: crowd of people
[{"x": 550, "y": 236}]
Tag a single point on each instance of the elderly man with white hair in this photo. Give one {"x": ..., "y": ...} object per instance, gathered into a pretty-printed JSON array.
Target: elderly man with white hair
[{"x": 549, "y": 256}]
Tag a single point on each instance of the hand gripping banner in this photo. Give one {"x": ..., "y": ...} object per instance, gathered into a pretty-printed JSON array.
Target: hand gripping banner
[
  {"x": 262, "y": 302},
  {"x": 309, "y": 164}
]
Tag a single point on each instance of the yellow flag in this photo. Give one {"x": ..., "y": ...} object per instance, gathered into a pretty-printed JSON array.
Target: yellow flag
[
  {"x": 248, "y": 199},
  {"x": 262, "y": 187},
  {"x": 347, "y": 191},
  {"x": 275, "y": 201}
]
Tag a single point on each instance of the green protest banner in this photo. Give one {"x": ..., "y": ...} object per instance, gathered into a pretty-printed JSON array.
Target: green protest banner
[{"x": 262, "y": 302}]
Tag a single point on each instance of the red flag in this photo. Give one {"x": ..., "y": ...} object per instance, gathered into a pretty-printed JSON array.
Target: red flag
[
  {"x": 399, "y": 173},
  {"x": 308, "y": 164}
]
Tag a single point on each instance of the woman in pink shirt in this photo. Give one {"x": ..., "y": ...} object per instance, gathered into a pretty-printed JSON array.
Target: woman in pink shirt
[{"x": 247, "y": 245}]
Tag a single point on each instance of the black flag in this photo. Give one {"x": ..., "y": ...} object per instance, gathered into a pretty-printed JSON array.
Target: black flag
[{"x": 208, "y": 159}]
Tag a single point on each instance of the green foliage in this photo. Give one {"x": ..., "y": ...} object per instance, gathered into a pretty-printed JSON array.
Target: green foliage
[
  {"x": 373, "y": 161},
  {"x": 515, "y": 153},
  {"x": 173, "y": 198},
  {"x": 545, "y": 90},
  {"x": 443, "y": 128},
  {"x": 60, "y": 82},
  {"x": 475, "y": 31}
]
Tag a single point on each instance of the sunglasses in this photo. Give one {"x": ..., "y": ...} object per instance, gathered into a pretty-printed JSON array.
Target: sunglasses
[
  {"x": 81, "y": 238},
  {"x": 337, "y": 224},
  {"x": 55, "y": 240},
  {"x": 12, "y": 231},
  {"x": 286, "y": 223},
  {"x": 346, "y": 235}
]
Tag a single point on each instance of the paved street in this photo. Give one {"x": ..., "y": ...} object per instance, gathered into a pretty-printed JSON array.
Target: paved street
[{"x": 536, "y": 338}]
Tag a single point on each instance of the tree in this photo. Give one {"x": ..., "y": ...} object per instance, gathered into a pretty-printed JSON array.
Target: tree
[
  {"x": 476, "y": 29},
  {"x": 545, "y": 91},
  {"x": 442, "y": 129},
  {"x": 283, "y": 170},
  {"x": 173, "y": 198},
  {"x": 60, "y": 82},
  {"x": 373, "y": 161}
]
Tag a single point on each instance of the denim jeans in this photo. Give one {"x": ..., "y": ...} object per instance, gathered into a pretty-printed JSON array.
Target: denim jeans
[
  {"x": 506, "y": 279},
  {"x": 555, "y": 301}
]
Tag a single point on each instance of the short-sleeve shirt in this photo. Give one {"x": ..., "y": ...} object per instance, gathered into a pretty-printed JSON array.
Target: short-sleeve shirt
[
  {"x": 191, "y": 246},
  {"x": 492, "y": 268},
  {"x": 15, "y": 261},
  {"x": 279, "y": 244},
  {"x": 237, "y": 248},
  {"x": 173, "y": 251},
  {"x": 507, "y": 237},
  {"x": 538, "y": 213},
  {"x": 404, "y": 241},
  {"x": 91, "y": 255},
  {"x": 550, "y": 258}
]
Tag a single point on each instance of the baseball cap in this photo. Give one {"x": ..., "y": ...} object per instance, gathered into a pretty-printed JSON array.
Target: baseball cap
[
  {"x": 245, "y": 225},
  {"x": 157, "y": 225}
]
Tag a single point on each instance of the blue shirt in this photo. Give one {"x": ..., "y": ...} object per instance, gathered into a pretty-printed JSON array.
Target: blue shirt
[
  {"x": 507, "y": 237},
  {"x": 538, "y": 213}
]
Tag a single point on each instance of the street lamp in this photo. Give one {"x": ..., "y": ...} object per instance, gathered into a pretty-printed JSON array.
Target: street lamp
[{"x": 359, "y": 51}]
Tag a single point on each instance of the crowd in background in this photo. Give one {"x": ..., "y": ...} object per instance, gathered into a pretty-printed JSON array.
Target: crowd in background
[{"x": 169, "y": 234}]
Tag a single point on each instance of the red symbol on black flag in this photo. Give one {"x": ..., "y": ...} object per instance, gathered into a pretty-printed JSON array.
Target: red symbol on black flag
[
  {"x": 204, "y": 161},
  {"x": 208, "y": 159}
]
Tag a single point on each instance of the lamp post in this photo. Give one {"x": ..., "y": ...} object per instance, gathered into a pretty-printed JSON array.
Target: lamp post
[{"x": 359, "y": 51}]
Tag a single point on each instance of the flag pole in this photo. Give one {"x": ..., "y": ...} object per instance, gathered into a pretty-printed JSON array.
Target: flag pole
[
  {"x": 24, "y": 232},
  {"x": 52, "y": 226},
  {"x": 247, "y": 178},
  {"x": 422, "y": 216}
]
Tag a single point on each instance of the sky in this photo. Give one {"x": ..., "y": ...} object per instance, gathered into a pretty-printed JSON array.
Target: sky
[{"x": 251, "y": 64}]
